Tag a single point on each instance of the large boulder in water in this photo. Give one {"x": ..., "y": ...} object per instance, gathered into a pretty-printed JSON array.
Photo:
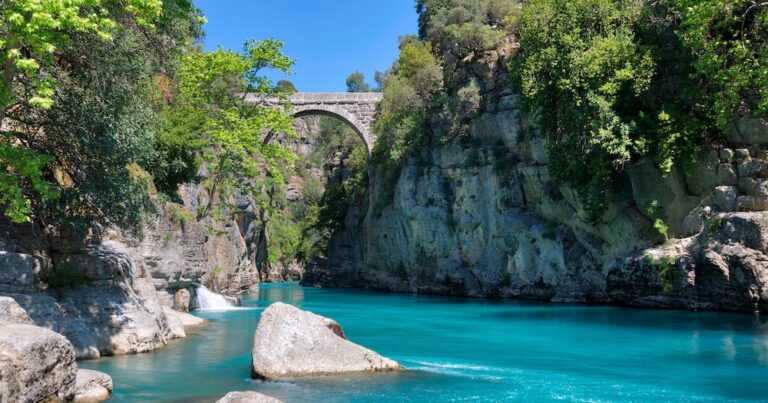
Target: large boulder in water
[
  {"x": 290, "y": 343},
  {"x": 36, "y": 365},
  {"x": 247, "y": 397}
]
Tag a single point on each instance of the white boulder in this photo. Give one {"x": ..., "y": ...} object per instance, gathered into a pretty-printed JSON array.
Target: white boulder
[
  {"x": 291, "y": 343},
  {"x": 247, "y": 397}
]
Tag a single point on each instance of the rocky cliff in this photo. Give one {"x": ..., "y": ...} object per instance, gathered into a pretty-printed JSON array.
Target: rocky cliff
[
  {"x": 484, "y": 217},
  {"x": 109, "y": 290},
  {"x": 228, "y": 253},
  {"x": 77, "y": 281}
]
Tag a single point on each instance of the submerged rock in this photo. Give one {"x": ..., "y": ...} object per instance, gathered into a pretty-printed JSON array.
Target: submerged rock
[
  {"x": 191, "y": 321},
  {"x": 36, "y": 365},
  {"x": 290, "y": 342},
  {"x": 184, "y": 319},
  {"x": 12, "y": 314},
  {"x": 92, "y": 386},
  {"x": 247, "y": 397}
]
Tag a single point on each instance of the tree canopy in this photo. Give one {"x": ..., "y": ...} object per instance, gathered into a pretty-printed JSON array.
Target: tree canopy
[
  {"x": 615, "y": 81},
  {"x": 356, "y": 83},
  {"x": 57, "y": 136}
]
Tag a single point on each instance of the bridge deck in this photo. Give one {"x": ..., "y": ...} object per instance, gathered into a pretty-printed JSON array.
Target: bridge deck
[{"x": 301, "y": 98}]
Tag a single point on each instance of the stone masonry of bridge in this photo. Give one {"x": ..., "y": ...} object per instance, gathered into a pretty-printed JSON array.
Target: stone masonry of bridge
[{"x": 358, "y": 109}]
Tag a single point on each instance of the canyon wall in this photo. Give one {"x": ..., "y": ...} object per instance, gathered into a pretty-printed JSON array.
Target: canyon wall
[
  {"x": 485, "y": 218},
  {"x": 109, "y": 290}
]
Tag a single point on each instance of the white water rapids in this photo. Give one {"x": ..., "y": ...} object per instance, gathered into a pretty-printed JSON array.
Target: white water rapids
[{"x": 209, "y": 300}]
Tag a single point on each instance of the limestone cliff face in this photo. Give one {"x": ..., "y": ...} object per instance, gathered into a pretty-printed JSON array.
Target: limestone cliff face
[
  {"x": 228, "y": 254},
  {"x": 81, "y": 281},
  {"x": 487, "y": 219},
  {"x": 180, "y": 251}
]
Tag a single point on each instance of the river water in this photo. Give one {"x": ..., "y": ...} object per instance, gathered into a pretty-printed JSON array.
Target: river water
[{"x": 470, "y": 350}]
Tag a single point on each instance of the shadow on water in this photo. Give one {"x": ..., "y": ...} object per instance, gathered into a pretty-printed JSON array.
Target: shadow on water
[{"x": 636, "y": 318}]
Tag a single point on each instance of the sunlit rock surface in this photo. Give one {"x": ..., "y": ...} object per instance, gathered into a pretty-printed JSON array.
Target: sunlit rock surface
[
  {"x": 290, "y": 343},
  {"x": 36, "y": 365},
  {"x": 92, "y": 386},
  {"x": 247, "y": 397}
]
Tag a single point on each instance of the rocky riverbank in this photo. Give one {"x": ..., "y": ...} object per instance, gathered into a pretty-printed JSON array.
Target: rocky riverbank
[
  {"x": 38, "y": 365},
  {"x": 113, "y": 291},
  {"x": 80, "y": 283}
]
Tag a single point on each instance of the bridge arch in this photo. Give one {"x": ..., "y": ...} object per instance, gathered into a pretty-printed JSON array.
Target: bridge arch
[
  {"x": 358, "y": 109},
  {"x": 337, "y": 112}
]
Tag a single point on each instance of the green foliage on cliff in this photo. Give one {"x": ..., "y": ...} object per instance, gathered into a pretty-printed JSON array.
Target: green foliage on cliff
[
  {"x": 342, "y": 155},
  {"x": 578, "y": 62},
  {"x": 78, "y": 102},
  {"x": 431, "y": 94},
  {"x": 614, "y": 81},
  {"x": 611, "y": 81},
  {"x": 409, "y": 90},
  {"x": 462, "y": 27},
  {"x": 729, "y": 43}
]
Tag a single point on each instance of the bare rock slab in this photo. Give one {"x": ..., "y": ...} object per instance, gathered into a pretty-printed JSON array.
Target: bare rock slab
[
  {"x": 247, "y": 397},
  {"x": 36, "y": 365},
  {"x": 92, "y": 386},
  {"x": 291, "y": 343},
  {"x": 191, "y": 321}
]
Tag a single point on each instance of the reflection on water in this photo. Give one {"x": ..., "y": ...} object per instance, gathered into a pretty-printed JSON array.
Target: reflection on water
[
  {"x": 271, "y": 293},
  {"x": 476, "y": 350}
]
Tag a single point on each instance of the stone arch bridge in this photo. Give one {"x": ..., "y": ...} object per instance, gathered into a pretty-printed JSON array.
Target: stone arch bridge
[{"x": 358, "y": 109}]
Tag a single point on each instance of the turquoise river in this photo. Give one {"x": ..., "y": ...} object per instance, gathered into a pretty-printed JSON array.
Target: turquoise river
[{"x": 466, "y": 350}]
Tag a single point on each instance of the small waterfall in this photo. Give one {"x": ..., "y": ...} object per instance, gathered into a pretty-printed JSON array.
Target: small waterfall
[{"x": 209, "y": 300}]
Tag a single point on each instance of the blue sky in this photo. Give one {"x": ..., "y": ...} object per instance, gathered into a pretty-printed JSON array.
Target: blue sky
[{"x": 328, "y": 39}]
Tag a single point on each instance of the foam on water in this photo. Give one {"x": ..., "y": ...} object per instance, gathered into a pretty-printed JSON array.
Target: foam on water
[{"x": 208, "y": 300}]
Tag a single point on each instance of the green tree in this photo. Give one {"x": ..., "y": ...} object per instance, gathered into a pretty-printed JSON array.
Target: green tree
[
  {"x": 584, "y": 67},
  {"x": 356, "y": 83},
  {"x": 43, "y": 45},
  {"x": 463, "y": 27},
  {"x": 286, "y": 86},
  {"x": 410, "y": 89},
  {"x": 236, "y": 134},
  {"x": 729, "y": 42},
  {"x": 33, "y": 31}
]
